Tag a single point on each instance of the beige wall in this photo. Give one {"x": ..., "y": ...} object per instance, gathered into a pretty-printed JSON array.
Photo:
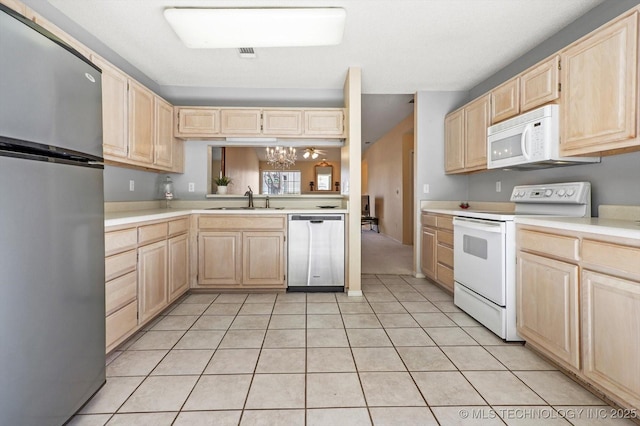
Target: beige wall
[
  {"x": 241, "y": 165},
  {"x": 307, "y": 173},
  {"x": 388, "y": 179}
]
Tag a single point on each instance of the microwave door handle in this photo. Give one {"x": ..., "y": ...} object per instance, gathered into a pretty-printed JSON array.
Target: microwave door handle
[{"x": 523, "y": 141}]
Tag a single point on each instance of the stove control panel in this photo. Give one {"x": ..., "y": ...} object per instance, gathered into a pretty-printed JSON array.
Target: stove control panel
[{"x": 564, "y": 193}]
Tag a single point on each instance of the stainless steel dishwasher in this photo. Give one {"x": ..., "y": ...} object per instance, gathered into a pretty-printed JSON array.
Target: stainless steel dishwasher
[{"x": 316, "y": 252}]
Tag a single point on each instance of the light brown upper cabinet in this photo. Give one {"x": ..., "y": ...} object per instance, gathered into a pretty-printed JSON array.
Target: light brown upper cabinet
[
  {"x": 240, "y": 121},
  {"x": 539, "y": 84},
  {"x": 141, "y": 125},
  {"x": 282, "y": 122},
  {"x": 329, "y": 122},
  {"x": 197, "y": 122},
  {"x": 505, "y": 100},
  {"x": 475, "y": 129},
  {"x": 454, "y": 142},
  {"x": 115, "y": 140},
  {"x": 465, "y": 137},
  {"x": 163, "y": 134},
  {"x": 599, "y": 109}
]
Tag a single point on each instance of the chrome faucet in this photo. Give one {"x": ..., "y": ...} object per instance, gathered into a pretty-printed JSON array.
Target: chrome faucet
[
  {"x": 249, "y": 194},
  {"x": 267, "y": 202}
]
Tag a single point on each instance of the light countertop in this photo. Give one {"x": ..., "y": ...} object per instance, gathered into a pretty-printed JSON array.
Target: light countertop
[
  {"x": 593, "y": 225},
  {"x": 134, "y": 216}
]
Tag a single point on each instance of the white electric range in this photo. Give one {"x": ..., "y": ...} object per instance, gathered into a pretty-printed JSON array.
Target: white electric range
[{"x": 485, "y": 251}]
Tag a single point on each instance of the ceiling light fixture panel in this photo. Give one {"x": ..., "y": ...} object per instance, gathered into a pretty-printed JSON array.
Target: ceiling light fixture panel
[{"x": 210, "y": 28}]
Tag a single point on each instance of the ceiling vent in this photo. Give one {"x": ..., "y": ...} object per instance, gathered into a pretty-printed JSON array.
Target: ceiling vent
[{"x": 247, "y": 52}]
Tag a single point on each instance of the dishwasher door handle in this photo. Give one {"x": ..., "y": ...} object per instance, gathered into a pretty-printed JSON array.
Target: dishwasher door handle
[{"x": 316, "y": 221}]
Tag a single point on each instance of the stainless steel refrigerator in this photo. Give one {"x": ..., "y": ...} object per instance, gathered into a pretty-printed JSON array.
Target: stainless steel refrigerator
[{"x": 52, "y": 312}]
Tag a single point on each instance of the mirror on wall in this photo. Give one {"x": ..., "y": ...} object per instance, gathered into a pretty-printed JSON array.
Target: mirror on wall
[
  {"x": 248, "y": 166},
  {"x": 324, "y": 177}
]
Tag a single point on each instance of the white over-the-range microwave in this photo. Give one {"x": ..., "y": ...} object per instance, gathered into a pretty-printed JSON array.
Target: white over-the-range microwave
[{"x": 529, "y": 141}]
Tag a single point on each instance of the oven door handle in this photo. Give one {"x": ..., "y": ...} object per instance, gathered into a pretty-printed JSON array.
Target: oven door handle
[{"x": 480, "y": 225}]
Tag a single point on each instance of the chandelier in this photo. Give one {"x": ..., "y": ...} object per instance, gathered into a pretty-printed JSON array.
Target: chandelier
[{"x": 280, "y": 157}]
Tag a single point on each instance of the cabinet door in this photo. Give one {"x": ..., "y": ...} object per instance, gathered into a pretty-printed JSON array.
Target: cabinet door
[
  {"x": 599, "y": 78},
  {"x": 163, "y": 134},
  {"x": 240, "y": 121},
  {"x": 454, "y": 142},
  {"x": 152, "y": 280},
  {"x": 219, "y": 258},
  {"x": 282, "y": 122},
  {"x": 428, "y": 252},
  {"x": 324, "y": 122},
  {"x": 263, "y": 259},
  {"x": 539, "y": 85},
  {"x": 178, "y": 276},
  {"x": 114, "y": 110},
  {"x": 476, "y": 123},
  {"x": 141, "y": 115},
  {"x": 505, "y": 101},
  {"x": 547, "y": 306},
  {"x": 198, "y": 122},
  {"x": 610, "y": 330}
]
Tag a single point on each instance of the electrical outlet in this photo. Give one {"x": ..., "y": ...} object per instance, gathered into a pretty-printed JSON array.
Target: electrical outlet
[
  {"x": 132, "y": 185},
  {"x": 192, "y": 187},
  {"x": 499, "y": 186},
  {"x": 425, "y": 188}
]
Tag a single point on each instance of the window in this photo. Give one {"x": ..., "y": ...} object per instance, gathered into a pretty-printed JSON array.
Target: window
[{"x": 278, "y": 182}]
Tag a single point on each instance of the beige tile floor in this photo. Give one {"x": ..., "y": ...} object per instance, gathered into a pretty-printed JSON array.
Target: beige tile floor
[{"x": 401, "y": 355}]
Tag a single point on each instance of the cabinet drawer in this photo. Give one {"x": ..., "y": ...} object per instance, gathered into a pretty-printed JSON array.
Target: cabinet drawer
[
  {"x": 613, "y": 256},
  {"x": 179, "y": 226},
  {"x": 119, "y": 264},
  {"x": 445, "y": 222},
  {"x": 445, "y": 255},
  {"x": 120, "y": 323},
  {"x": 243, "y": 223},
  {"x": 150, "y": 233},
  {"x": 445, "y": 276},
  {"x": 120, "y": 291},
  {"x": 119, "y": 241},
  {"x": 554, "y": 245},
  {"x": 445, "y": 237},
  {"x": 428, "y": 220}
]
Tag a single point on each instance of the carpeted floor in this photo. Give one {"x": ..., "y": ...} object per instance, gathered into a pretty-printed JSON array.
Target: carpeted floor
[{"x": 383, "y": 255}]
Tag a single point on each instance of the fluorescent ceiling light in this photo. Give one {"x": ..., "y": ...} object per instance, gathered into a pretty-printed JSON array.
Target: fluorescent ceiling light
[{"x": 256, "y": 27}]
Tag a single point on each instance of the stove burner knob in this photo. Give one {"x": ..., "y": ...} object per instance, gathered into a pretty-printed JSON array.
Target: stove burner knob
[
  {"x": 570, "y": 193},
  {"x": 561, "y": 192},
  {"x": 548, "y": 192}
]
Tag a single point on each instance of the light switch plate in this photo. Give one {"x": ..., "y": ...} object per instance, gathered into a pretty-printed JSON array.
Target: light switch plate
[{"x": 132, "y": 185}]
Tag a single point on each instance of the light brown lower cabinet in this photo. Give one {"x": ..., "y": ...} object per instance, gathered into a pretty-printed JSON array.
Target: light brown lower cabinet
[
  {"x": 146, "y": 268},
  {"x": 547, "y": 306},
  {"x": 436, "y": 258},
  {"x": 219, "y": 257},
  {"x": 178, "y": 266},
  {"x": 241, "y": 252},
  {"x": 578, "y": 302},
  {"x": 152, "y": 280},
  {"x": 263, "y": 258},
  {"x": 611, "y": 334}
]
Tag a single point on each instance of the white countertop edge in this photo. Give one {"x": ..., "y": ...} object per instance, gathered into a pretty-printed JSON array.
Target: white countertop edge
[
  {"x": 591, "y": 225},
  {"x": 126, "y": 218}
]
